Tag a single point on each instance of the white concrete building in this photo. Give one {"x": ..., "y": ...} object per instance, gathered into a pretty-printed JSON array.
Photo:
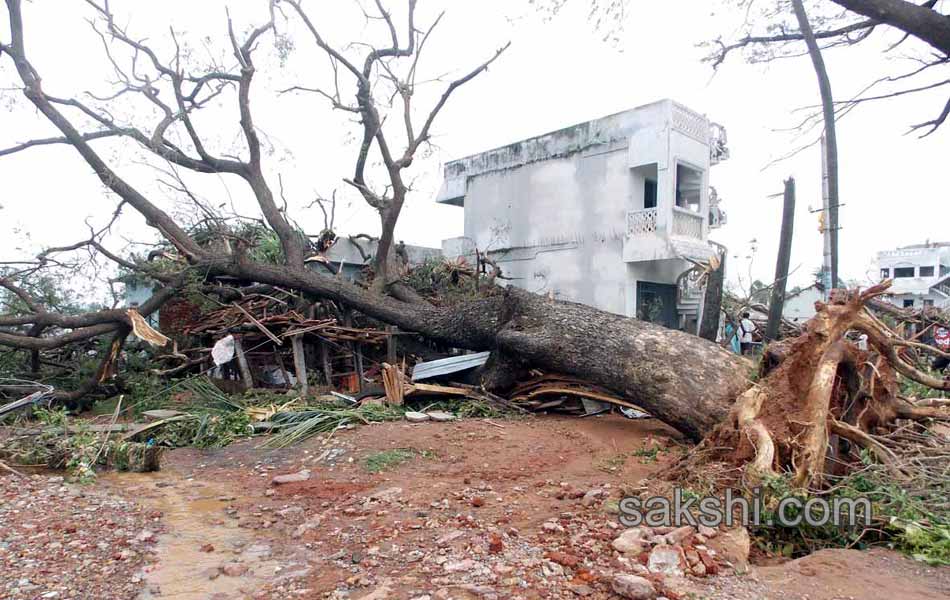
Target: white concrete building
[
  {"x": 604, "y": 212},
  {"x": 921, "y": 274}
]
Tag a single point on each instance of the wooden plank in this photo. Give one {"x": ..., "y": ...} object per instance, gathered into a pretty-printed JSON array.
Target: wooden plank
[
  {"x": 325, "y": 359},
  {"x": 391, "y": 345},
  {"x": 429, "y": 388},
  {"x": 242, "y": 363},
  {"x": 258, "y": 324},
  {"x": 300, "y": 364},
  {"x": 393, "y": 384},
  {"x": 283, "y": 370}
]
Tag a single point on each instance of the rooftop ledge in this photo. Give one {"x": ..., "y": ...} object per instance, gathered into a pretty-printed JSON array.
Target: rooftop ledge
[{"x": 564, "y": 142}]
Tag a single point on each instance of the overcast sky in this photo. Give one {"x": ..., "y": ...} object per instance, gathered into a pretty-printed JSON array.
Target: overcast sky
[{"x": 556, "y": 73}]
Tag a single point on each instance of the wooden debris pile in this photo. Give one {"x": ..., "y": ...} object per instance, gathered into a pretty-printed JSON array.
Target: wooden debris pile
[{"x": 274, "y": 318}]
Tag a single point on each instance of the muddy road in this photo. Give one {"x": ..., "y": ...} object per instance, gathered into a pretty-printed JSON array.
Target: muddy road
[{"x": 471, "y": 509}]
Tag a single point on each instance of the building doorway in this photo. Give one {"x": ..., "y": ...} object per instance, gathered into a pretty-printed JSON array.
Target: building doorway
[{"x": 656, "y": 303}]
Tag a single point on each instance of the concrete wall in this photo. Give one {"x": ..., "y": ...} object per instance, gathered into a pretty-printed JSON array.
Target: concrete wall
[{"x": 552, "y": 210}]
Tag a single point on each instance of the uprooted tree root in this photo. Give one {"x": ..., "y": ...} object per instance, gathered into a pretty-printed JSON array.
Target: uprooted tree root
[{"x": 820, "y": 402}]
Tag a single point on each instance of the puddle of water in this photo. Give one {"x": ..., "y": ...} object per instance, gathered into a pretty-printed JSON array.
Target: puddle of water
[{"x": 193, "y": 517}]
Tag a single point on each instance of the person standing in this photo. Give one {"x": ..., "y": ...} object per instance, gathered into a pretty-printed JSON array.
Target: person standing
[
  {"x": 746, "y": 329},
  {"x": 942, "y": 343}
]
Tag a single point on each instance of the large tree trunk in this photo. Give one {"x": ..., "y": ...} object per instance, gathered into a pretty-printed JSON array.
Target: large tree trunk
[{"x": 685, "y": 381}]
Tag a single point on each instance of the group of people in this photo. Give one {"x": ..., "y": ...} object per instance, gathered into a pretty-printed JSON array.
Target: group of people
[{"x": 741, "y": 339}]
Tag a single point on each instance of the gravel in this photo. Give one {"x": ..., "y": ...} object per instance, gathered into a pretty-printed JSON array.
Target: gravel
[{"x": 60, "y": 540}]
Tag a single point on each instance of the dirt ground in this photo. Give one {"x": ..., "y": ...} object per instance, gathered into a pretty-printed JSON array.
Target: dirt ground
[{"x": 476, "y": 509}]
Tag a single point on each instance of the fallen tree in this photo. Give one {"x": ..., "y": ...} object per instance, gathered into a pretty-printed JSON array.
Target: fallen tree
[{"x": 686, "y": 381}]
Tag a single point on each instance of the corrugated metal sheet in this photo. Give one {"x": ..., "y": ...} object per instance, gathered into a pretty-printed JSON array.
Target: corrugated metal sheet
[{"x": 447, "y": 366}]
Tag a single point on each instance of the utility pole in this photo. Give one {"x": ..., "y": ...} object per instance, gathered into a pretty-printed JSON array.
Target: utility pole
[
  {"x": 826, "y": 280},
  {"x": 830, "y": 147},
  {"x": 777, "y": 301}
]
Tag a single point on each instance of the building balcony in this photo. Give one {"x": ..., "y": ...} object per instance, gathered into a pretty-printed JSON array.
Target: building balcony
[
  {"x": 651, "y": 237},
  {"x": 641, "y": 222},
  {"x": 687, "y": 224}
]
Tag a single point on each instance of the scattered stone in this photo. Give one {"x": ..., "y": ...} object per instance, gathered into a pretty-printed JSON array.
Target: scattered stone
[
  {"x": 708, "y": 562},
  {"x": 449, "y": 537},
  {"x": 552, "y": 527},
  {"x": 291, "y": 477},
  {"x": 667, "y": 560},
  {"x": 581, "y": 590},
  {"x": 416, "y": 417},
  {"x": 733, "y": 546},
  {"x": 679, "y": 535},
  {"x": 707, "y": 532},
  {"x": 459, "y": 566},
  {"x": 633, "y": 587},
  {"x": 495, "y": 544},
  {"x": 146, "y": 536},
  {"x": 590, "y": 498},
  {"x": 563, "y": 559},
  {"x": 440, "y": 416},
  {"x": 207, "y": 548},
  {"x": 233, "y": 569},
  {"x": 290, "y": 512},
  {"x": 551, "y": 569},
  {"x": 387, "y": 495},
  {"x": 478, "y": 501},
  {"x": 632, "y": 541},
  {"x": 306, "y": 526}
]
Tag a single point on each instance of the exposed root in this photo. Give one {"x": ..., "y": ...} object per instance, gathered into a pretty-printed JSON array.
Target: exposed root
[
  {"x": 820, "y": 401},
  {"x": 746, "y": 412}
]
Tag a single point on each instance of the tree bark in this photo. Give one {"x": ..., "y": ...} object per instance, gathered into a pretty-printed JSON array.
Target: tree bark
[
  {"x": 831, "y": 137},
  {"x": 919, "y": 21},
  {"x": 777, "y": 301},
  {"x": 712, "y": 300},
  {"x": 685, "y": 381}
]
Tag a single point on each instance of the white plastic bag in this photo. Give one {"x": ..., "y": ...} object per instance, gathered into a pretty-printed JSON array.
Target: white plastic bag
[{"x": 223, "y": 350}]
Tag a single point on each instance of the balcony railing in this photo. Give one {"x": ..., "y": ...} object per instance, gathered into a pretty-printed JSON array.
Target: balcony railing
[
  {"x": 687, "y": 224},
  {"x": 641, "y": 222}
]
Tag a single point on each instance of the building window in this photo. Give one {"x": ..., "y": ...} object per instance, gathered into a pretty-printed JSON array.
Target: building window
[
  {"x": 926, "y": 272},
  {"x": 909, "y": 303},
  {"x": 689, "y": 187},
  {"x": 903, "y": 272},
  {"x": 928, "y": 302},
  {"x": 944, "y": 270},
  {"x": 649, "y": 193},
  {"x": 885, "y": 273}
]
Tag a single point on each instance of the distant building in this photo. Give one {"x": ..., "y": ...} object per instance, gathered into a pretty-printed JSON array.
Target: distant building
[
  {"x": 352, "y": 256},
  {"x": 799, "y": 305},
  {"x": 605, "y": 212},
  {"x": 921, "y": 274}
]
